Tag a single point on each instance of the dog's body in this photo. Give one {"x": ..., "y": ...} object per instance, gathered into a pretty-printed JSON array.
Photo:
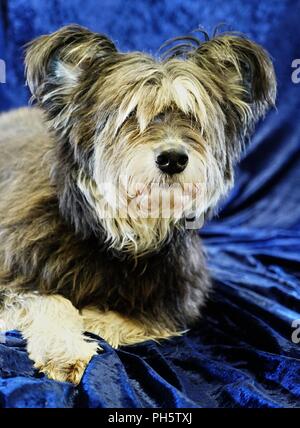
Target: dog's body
[
  {"x": 57, "y": 261},
  {"x": 104, "y": 113}
]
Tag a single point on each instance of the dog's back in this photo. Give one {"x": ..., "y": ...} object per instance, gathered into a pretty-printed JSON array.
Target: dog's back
[
  {"x": 23, "y": 143},
  {"x": 23, "y": 136}
]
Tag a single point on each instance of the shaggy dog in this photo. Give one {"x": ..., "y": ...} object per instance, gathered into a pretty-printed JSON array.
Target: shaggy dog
[{"x": 78, "y": 249}]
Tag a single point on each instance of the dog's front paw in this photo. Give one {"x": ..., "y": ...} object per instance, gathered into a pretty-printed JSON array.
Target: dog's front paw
[
  {"x": 70, "y": 372},
  {"x": 63, "y": 364}
]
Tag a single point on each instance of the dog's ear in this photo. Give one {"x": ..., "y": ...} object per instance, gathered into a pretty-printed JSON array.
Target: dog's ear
[
  {"x": 55, "y": 62},
  {"x": 241, "y": 75}
]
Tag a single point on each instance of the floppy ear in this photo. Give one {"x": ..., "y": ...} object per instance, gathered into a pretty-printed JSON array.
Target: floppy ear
[
  {"x": 55, "y": 62},
  {"x": 241, "y": 73}
]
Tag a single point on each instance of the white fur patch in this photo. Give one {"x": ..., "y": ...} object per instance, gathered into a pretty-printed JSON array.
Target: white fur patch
[
  {"x": 53, "y": 329},
  {"x": 118, "y": 330}
]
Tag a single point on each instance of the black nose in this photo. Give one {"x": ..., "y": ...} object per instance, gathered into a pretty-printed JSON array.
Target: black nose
[{"x": 172, "y": 161}]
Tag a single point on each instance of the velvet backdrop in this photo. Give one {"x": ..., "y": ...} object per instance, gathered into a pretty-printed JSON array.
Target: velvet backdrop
[{"x": 241, "y": 354}]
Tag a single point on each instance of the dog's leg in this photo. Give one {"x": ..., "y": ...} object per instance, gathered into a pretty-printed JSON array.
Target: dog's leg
[
  {"x": 119, "y": 330},
  {"x": 54, "y": 331}
]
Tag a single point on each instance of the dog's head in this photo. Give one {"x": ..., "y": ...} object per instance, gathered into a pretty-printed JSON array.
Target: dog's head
[{"x": 133, "y": 131}]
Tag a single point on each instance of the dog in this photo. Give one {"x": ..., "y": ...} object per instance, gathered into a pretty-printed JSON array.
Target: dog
[{"x": 106, "y": 129}]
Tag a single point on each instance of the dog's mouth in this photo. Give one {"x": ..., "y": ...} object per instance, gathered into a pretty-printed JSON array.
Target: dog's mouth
[
  {"x": 165, "y": 200},
  {"x": 139, "y": 189}
]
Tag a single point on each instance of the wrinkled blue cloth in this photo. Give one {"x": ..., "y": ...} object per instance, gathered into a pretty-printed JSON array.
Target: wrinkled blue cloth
[{"x": 241, "y": 353}]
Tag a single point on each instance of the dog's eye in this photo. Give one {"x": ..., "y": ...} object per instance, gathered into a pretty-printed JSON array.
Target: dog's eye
[
  {"x": 159, "y": 118},
  {"x": 131, "y": 115}
]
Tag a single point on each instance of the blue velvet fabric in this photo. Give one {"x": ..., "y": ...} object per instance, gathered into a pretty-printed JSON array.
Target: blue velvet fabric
[{"x": 241, "y": 353}]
